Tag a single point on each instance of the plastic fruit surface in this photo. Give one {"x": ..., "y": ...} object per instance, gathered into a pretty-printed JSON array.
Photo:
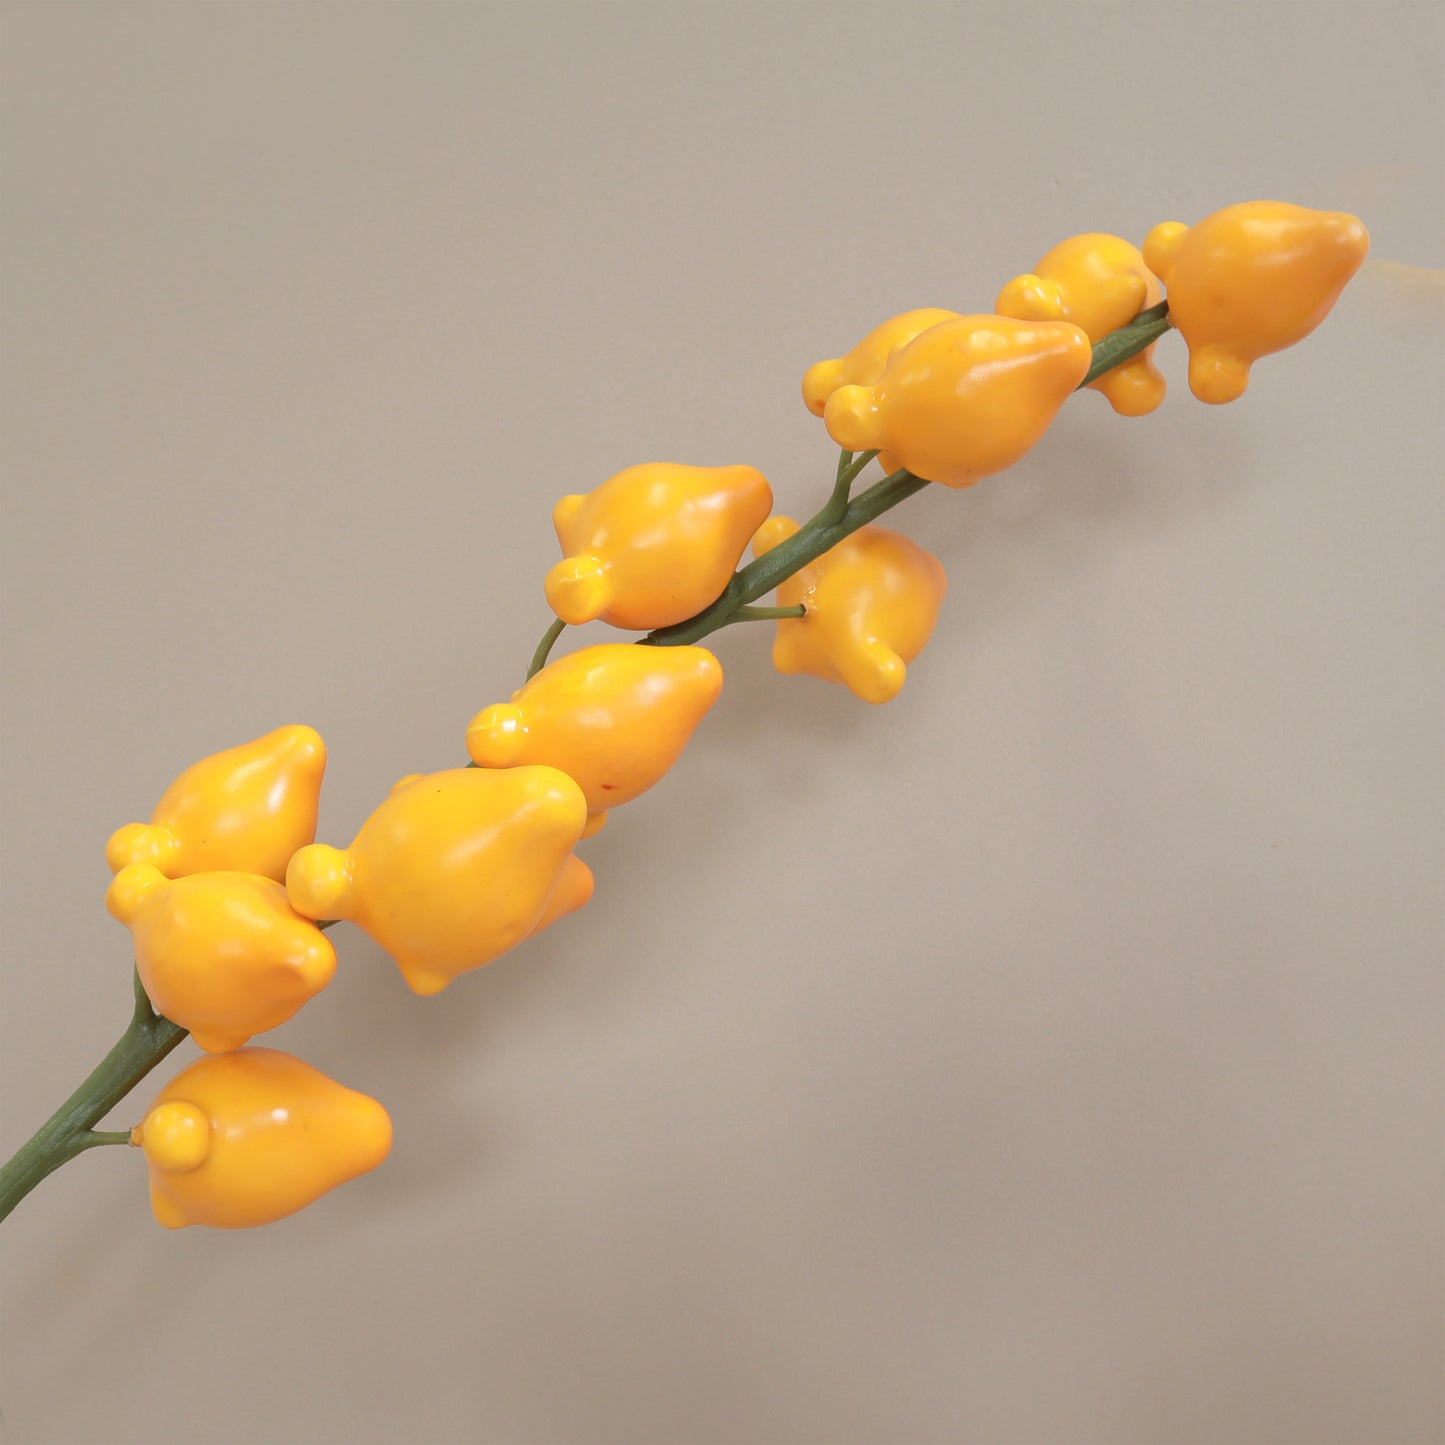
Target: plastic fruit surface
[
  {"x": 247, "y": 809},
  {"x": 654, "y": 544},
  {"x": 243, "y": 1139},
  {"x": 1250, "y": 280},
  {"x": 574, "y": 889},
  {"x": 221, "y": 954},
  {"x": 451, "y": 871},
  {"x": 864, "y": 364},
  {"x": 1098, "y": 282},
  {"x": 964, "y": 399},
  {"x": 871, "y": 605},
  {"x": 615, "y": 717}
]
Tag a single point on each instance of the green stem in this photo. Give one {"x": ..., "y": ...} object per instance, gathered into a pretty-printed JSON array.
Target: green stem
[
  {"x": 70, "y": 1130},
  {"x": 544, "y": 647},
  {"x": 848, "y": 468},
  {"x": 1118, "y": 346},
  {"x": 767, "y": 614}
]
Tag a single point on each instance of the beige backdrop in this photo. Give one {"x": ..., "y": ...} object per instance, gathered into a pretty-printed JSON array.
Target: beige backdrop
[{"x": 1053, "y": 1055}]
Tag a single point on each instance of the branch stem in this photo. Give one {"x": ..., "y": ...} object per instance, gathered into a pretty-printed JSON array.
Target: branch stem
[
  {"x": 1118, "y": 346},
  {"x": 767, "y": 614},
  {"x": 70, "y": 1130},
  {"x": 544, "y": 647}
]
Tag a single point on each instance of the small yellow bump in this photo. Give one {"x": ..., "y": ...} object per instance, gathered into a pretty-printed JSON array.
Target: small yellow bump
[
  {"x": 496, "y": 736},
  {"x": 129, "y": 887},
  {"x": 318, "y": 881},
  {"x": 176, "y": 1137},
  {"x": 141, "y": 843},
  {"x": 851, "y": 417},
  {"x": 821, "y": 380},
  {"x": 774, "y": 530},
  {"x": 578, "y": 590},
  {"x": 1161, "y": 246}
]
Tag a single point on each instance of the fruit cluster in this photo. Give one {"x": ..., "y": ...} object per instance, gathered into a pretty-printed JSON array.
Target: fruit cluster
[{"x": 225, "y": 891}]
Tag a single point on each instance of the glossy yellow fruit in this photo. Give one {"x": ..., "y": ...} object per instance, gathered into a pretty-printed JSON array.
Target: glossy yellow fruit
[
  {"x": 451, "y": 871},
  {"x": 1098, "y": 282},
  {"x": 871, "y": 605},
  {"x": 247, "y": 1138},
  {"x": 654, "y": 544},
  {"x": 864, "y": 364},
  {"x": 615, "y": 717},
  {"x": 574, "y": 888},
  {"x": 221, "y": 954},
  {"x": 964, "y": 399},
  {"x": 247, "y": 809},
  {"x": 1250, "y": 280}
]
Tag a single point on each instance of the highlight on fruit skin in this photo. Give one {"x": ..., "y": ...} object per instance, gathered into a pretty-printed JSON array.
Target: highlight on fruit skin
[
  {"x": 964, "y": 399},
  {"x": 1250, "y": 280},
  {"x": 864, "y": 364},
  {"x": 615, "y": 717},
  {"x": 1100, "y": 283},
  {"x": 223, "y": 954},
  {"x": 244, "y": 810},
  {"x": 451, "y": 871},
  {"x": 872, "y": 602},
  {"x": 654, "y": 544},
  {"x": 246, "y": 1138}
]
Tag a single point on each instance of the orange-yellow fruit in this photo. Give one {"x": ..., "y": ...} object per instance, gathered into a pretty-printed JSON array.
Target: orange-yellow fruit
[
  {"x": 1250, "y": 280},
  {"x": 451, "y": 871},
  {"x": 864, "y": 364},
  {"x": 654, "y": 544},
  {"x": 246, "y": 810},
  {"x": 615, "y": 717},
  {"x": 1098, "y": 282},
  {"x": 221, "y": 954},
  {"x": 964, "y": 399},
  {"x": 247, "y": 1138},
  {"x": 871, "y": 605}
]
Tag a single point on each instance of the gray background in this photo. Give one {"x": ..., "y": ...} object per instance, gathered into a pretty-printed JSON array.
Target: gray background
[{"x": 1051, "y": 1055}]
